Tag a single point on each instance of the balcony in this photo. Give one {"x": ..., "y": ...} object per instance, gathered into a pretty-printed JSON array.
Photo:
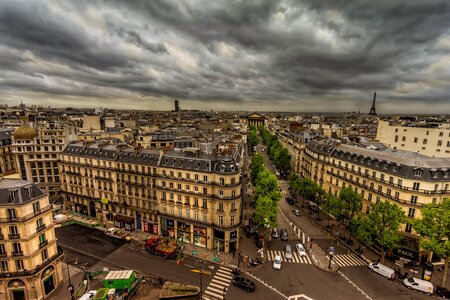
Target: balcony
[
  {"x": 4, "y": 254},
  {"x": 41, "y": 227},
  {"x": 2, "y": 237},
  {"x": 34, "y": 271},
  {"x": 43, "y": 244},
  {"x": 17, "y": 253},
  {"x": 12, "y": 219},
  {"x": 14, "y": 236}
]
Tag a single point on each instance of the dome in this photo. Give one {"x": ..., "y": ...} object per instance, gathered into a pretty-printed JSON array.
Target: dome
[{"x": 25, "y": 133}]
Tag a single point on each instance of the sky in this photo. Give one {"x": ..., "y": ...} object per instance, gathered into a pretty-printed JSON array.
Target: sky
[{"x": 299, "y": 55}]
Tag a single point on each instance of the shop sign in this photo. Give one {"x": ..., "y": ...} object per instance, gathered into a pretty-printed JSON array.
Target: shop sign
[
  {"x": 104, "y": 200},
  {"x": 233, "y": 235},
  {"x": 169, "y": 223},
  {"x": 407, "y": 253}
]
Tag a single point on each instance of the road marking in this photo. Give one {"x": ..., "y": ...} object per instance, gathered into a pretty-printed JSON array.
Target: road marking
[
  {"x": 348, "y": 260},
  {"x": 218, "y": 286},
  {"x": 301, "y": 296},
  {"x": 295, "y": 257},
  {"x": 352, "y": 283},
  {"x": 267, "y": 285}
]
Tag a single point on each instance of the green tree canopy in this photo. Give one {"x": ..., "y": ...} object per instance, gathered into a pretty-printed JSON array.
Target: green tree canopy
[
  {"x": 253, "y": 137},
  {"x": 350, "y": 204},
  {"x": 381, "y": 226},
  {"x": 434, "y": 228},
  {"x": 267, "y": 185},
  {"x": 256, "y": 166},
  {"x": 266, "y": 213}
]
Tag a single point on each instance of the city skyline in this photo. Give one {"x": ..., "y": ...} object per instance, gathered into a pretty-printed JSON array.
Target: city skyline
[{"x": 308, "y": 56}]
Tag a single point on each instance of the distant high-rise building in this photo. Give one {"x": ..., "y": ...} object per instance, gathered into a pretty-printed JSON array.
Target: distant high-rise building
[
  {"x": 372, "y": 109},
  {"x": 177, "y": 107}
]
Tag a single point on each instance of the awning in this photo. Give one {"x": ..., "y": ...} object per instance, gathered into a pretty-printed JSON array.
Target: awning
[{"x": 124, "y": 219}]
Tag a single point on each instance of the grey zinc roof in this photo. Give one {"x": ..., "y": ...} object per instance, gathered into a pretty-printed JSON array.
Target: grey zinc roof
[
  {"x": 408, "y": 158},
  {"x": 22, "y": 195}
]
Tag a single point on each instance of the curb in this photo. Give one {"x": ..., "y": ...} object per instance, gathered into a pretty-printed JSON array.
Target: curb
[{"x": 338, "y": 239}]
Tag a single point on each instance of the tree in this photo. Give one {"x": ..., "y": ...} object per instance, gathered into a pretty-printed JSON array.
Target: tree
[
  {"x": 256, "y": 166},
  {"x": 350, "y": 204},
  {"x": 266, "y": 213},
  {"x": 267, "y": 186},
  {"x": 381, "y": 226},
  {"x": 309, "y": 189},
  {"x": 332, "y": 206},
  {"x": 253, "y": 138},
  {"x": 434, "y": 228}
]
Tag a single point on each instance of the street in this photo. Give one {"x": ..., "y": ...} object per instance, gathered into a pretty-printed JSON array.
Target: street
[{"x": 91, "y": 249}]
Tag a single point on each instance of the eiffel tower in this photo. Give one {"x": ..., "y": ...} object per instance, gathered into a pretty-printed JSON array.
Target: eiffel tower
[{"x": 372, "y": 109}]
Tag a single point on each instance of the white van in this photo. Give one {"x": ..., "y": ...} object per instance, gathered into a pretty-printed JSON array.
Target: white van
[
  {"x": 419, "y": 284},
  {"x": 382, "y": 270}
]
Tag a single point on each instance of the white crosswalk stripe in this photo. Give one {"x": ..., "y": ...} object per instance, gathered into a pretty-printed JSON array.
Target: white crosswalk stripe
[
  {"x": 295, "y": 257},
  {"x": 348, "y": 260},
  {"x": 218, "y": 284}
]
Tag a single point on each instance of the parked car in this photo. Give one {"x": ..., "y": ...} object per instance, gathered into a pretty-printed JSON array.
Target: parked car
[
  {"x": 419, "y": 285},
  {"x": 244, "y": 283},
  {"x": 275, "y": 233},
  {"x": 288, "y": 252},
  {"x": 296, "y": 212},
  {"x": 442, "y": 292},
  {"x": 254, "y": 262},
  {"x": 300, "y": 249},
  {"x": 283, "y": 234},
  {"x": 277, "y": 262},
  {"x": 88, "y": 296},
  {"x": 382, "y": 270},
  {"x": 290, "y": 201}
]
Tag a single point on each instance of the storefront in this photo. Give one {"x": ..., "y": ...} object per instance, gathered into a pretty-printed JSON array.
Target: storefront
[
  {"x": 124, "y": 222},
  {"x": 233, "y": 241},
  {"x": 167, "y": 228},
  {"x": 184, "y": 232},
  {"x": 219, "y": 240},
  {"x": 150, "y": 227},
  {"x": 200, "y": 236}
]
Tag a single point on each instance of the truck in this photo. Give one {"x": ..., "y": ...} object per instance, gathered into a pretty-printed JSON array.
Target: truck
[
  {"x": 117, "y": 233},
  {"x": 160, "y": 246}
]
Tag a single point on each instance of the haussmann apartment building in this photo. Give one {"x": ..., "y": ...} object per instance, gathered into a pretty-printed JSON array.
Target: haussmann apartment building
[
  {"x": 187, "y": 195},
  {"x": 408, "y": 179}
]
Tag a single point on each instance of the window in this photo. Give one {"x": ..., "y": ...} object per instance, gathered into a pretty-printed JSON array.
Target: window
[
  {"x": 439, "y": 143},
  {"x": 12, "y": 213},
  {"x": 205, "y": 178},
  {"x": 403, "y": 138},
  {"x": 380, "y": 189},
  {"x": 408, "y": 227},
  {"x": 397, "y": 194},
  {"x": 179, "y": 186},
  {"x": 221, "y": 192},
  {"x": 19, "y": 265},
  {"x": 220, "y": 220},
  {"x": 367, "y": 209},
  {"x": 411, "y": 212},
  {"x": 188, "y": 213},
  {"x": 425, "y": 141},
  {"x": 196, "y": 177},
  {"x": 441, "y": 133},
  {"x": 195, "y": 215},
  {"x": 369, "y": 197},
  {"x": 44, "y": 255},
  {"x": 388, "y": 192},
  {"x": 413, "y": 199},
  {"x": 416, "y": 186},
  {"x": 17, "y": 248},
  {"x": 188, "y": 187},
  {"x": 164, "y": 209},
  {"x": 232, "y": 220},
  {"x": 196, "y": 202},
  {"x": 205, "y": 217},
  {"x": 187, "y": 200},
  {"x": 4, "y": 266},
  {"x": 378, "y": 199},
  {"x": 416, "y": 140},
  {"x": 172, "y": 211},
  {"x": 220, "y": 206},
  {"x": 418, "y": 172},
  {"x": 399, "y": 182},
  {"x": 205, "y": 191},
  {"x": 204, "y": 204},
  {"x": 42, "y": 239},
  {"x": 180, "y": 212},
  {"x": 233, "y": 206},
  {"x": 391, "y": 179},
  {"x": 2, "y": 249}
]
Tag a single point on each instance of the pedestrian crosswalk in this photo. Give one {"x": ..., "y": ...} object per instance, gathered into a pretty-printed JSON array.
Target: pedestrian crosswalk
[
  {"x": 348, "y": 260},
  {"x": 218, "y": 286},
  {"x": 295, "y": 257}
]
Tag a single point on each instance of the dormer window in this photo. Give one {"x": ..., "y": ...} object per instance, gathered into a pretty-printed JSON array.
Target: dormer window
[
  {"x": 222, "y": 168},
  {"x": 418, "y": 172},
  {"x": 12, "y": 196},
  {"x": 232, "y": 168}
]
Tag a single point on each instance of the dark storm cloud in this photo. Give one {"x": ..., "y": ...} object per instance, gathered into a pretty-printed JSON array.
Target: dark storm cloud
[{"x": 274, "y": 53}]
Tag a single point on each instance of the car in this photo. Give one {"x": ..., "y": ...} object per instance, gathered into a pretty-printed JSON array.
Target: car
[
  {"x": 419, "y": 285},
  {"x": 288, "y": 252},
  {"x": 244, "y": 283},
  {"x": 88, "y": 296},
  {"x": 296, "y": 212},
  {"x": 442, "y": 292},
  {"x": 277, "y": 262},
  {"x": 290, "y": 201},
  {"x": 283, "y": 234},
  {"x": 275, "y": 233},
  {"x": 300, "y": 249}
]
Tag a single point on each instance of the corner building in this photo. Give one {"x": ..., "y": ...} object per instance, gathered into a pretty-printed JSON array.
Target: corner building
[
  {"x": 187, "y": 195},
  {"x": 30, "y": 263},
  {"x": 407, "y": 179}
]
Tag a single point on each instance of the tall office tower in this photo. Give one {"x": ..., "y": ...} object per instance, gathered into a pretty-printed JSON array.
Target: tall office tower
[{"x": 177, "y": 107}]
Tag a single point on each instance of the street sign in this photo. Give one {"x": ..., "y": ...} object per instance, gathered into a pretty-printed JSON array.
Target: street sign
[{"x": 331, "y": 251}]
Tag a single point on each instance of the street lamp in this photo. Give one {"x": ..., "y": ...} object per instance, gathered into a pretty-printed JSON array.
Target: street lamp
[{"x": 70, "y": 286}]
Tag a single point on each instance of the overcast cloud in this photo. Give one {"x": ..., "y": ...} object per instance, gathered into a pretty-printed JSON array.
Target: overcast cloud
[{"x": 309, "y": 55}]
